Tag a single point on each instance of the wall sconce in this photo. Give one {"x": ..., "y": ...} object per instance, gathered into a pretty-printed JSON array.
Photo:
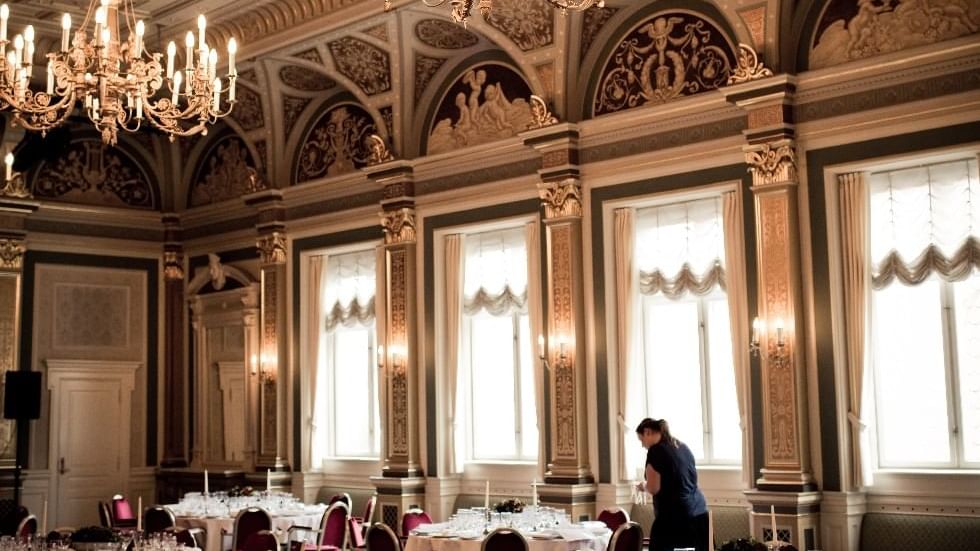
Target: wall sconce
[
  {"x": 13, "y": 182},
  {"x": 267, "y": 368},
  {"x": 563, "y": 344},
  {"x": 399, "y": 358},
  {"x": 776, "y": 348},
  {"x": 381, "y": 356}
]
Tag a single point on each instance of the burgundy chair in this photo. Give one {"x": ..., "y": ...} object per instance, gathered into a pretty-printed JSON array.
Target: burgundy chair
[
  {"x": 105, "y": 517},
  {"x": 627, "y": 537},
  {"x": 365, "y": 521},
  {"x": 249, "y": 521},
  {"x": 122, "y": 513},
  {"x": 157, "y": 519},
  {"x": 344, "y": 497},
  {"x": 381, "y": 538},
  {"x": 614, "y": 517},
  {"x": 27, "y": 527},
  {"x": 412, "y": 519},
  {"x": 263, "y": 540},
  {"x": 333, "y": 532},
  {"x": 504, "y": 539}
]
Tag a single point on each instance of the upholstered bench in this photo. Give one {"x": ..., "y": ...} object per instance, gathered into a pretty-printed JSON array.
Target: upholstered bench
[
  {"x": 898, "y": 532},
  {"x": 729, "y": 522}
]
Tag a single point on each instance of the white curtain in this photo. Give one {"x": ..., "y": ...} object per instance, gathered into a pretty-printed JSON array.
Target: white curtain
[
  {"x": 680, "y": 248},
  {"x": 628, "y": 410},
  {"x": 535, "y": 314},
  {"x": 453, "y": 288},
  {"x": 350, "y": 288},
  {"x": 315, "y": 328},
  {"x": 925, "y": 220},
  {"x": 854, "y": 249},
  {"x": 738, "y": 312},
  {"x": 495, "y": 272}
]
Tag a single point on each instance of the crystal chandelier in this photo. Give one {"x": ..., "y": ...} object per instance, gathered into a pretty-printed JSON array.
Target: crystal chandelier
[
  {"x": 118, "y": 83},
  {"x": 461, "y": 9}
]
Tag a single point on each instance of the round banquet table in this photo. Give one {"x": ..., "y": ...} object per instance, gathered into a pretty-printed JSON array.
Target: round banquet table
[
  {"x": 429, "y": 543},
  {"x": 217, "y": 527}
]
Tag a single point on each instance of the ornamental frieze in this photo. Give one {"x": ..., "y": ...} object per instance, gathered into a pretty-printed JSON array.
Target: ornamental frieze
[
  {"x": 439, "y": 33},
  {"x": 529, "y": 23},
  {"x": 486, "y": 103},
  {"x": 364, "y": 64},
  {"x": 12, "y": 254},
  {"x": 671, "y": 55},
  {"x": 225, "y": 172},
  {"x": 336, "y": 144},
  {"x": 91, "y": 174}
]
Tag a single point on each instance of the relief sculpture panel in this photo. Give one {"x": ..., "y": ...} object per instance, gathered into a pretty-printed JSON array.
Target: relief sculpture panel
[
  {"x": 336, "y": 144},
  {"x": 672, "y": 54},
  {"x": 224, "y": 174},
  {"x": 89, "y": 173},
  {"x": 487, "y": 103}
]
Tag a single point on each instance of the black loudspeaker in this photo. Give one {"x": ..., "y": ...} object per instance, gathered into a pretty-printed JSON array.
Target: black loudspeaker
[{"x": 22, "y": 395}]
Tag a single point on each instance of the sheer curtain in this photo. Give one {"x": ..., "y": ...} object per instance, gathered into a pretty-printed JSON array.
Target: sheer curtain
[
  {"x": 316, "y": 324},
  {"x": 452, "y": 262},
  {"x": 629, "y": 411},
  {"x": 534, "y": 308},
  {"x": 349, "y": 291},
  {"x": 854, "y": 249},
  {"x": 738, "y": 311},
  {"x": 495, "y": 272}
]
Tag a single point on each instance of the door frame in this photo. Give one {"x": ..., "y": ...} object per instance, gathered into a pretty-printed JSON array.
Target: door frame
[{"x": 60, "y": 371}]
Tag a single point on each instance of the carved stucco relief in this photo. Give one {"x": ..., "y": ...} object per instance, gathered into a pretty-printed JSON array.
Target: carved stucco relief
[{"x": 365, "y": 64}]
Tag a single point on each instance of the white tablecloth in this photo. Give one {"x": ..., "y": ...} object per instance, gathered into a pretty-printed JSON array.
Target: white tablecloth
[
  {"x": 428, "y": 543},
  {"x": 217, "y": 527}
]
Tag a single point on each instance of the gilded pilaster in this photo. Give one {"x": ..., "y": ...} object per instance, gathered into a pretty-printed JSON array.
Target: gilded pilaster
[
  {"x": 174, "y": 371},
  {"x": 569, "y": 482}
]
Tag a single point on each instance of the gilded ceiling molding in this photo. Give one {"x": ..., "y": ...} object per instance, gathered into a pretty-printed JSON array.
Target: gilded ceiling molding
[
  {"x": 272, "y": 248},
  {"x": 399, "y": 226},
  {"x": 12, "y": 254},
  {"x": 379, "y": 150},
  {"x": 273, "y": 18},
  {"x": 749, "y": 67},
  {"x": 561, "y": 199},
  {"x": 540, "y": 115},
  {"x": 772, "y": 165}
]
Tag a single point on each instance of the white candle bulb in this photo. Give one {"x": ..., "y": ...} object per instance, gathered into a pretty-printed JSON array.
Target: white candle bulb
[
  {"x": 202, "y": 23},
  {"x": 213, "y": 63},
  {"x": 50, "y": 77},
  {"x": 29, "y": 33},
  {"x": 140, "y": 29},
  {"x": 541, "y": 346},
  {"x": 189, "y": 43},
  {"x": 217, "y": 95},
  {"x": 171, "y": 52},
  {"x": 4, "y": 15},
  {"x": 9, "y": 160},
  {"x": 29, "y": 45},
  {"x": 65, "y": 31},
  {"x": 18, "y": 49},
  {"x": 756, "y": 328},
  {"x": 232, "y": 50},
  {"x": 231, "y": 89},
  {"x": 178, "y": 78},
  {"x": 205, "y": 481}
]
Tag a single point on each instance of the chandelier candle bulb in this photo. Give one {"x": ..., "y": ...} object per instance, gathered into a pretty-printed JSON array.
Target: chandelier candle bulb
[
  {"x": 232, "y": 50},
  {"x": 65, "y": 31},
  {"x": 140, "y": 29},
  {"x": 8, "y": 160},
  {"x": 231, "y": 88},
  {"x": 18, "y": 50},
  {"x": 189, "y": 53},
  {"x": 29, "y": 45},
  {"x": 50, "y": 77},
  {"x": 139, "y": 107},
  {"x": 212, "y": 63},
  {"x": 177, "y": 80},
  {"x": 217, "y": 95},
  {"x": 171, "y": 52},
  {"x": 4, "y": 15}
]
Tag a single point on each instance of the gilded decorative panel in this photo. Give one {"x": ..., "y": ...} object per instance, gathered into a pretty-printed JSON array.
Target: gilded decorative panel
[
  {"x": 857, "y": 29},
  {"x": 529, "y": 23},
  {"x": 248, "y": 110},
  {"x": 593, "y": 20},
  {"x": 670, "y": 55},
  {"x": 8, "y": 355},
  {"x": 755, "y": 21},
  {"x": 425, "y": 68},
  {"x": 487, "y": 103},
  {"x": 336, "y": 143},
  {"x": 292, "y": 108},
  {"x": 563, "y": 325},
  {"x": 224, "y": 172},
  {"x": 90, "y": 173},
  {"x": 398, "y": 329},
  {"x": 91, "y": 316},
  {"x": 305, "y": 79},
  {"x": 439, "y": 33},
  {"x": 366, "y": 65}
]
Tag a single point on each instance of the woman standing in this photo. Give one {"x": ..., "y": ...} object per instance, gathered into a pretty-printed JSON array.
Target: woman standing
[{"x": 681, "y": 514}]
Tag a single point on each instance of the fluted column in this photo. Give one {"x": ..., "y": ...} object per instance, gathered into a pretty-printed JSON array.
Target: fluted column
[
  {"x": 569, "y": 482},
  {"x": 175, "y": 373}
]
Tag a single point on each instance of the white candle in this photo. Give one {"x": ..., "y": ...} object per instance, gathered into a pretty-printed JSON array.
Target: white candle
[
  {"x": 139, "y": 514},
  {"x": 231, "y": 89},
  {"x": 534, "y": 493},
  {"x": 205, "y": 481},
  {"x": 486, "y": 497},
  {"x": 9, "y": 161},
  {"x": 213, "y": 64},
  {"x": 217, "y": 95},
  {"x": 232, "y": 49},
  {"x": 268, "y": 480},
  {"x": 171, "y": 52},
  {"x": 65, "y": 31},
  {"x": 772, "y": 518},
  {"x": 140, "y": 29},
  {"x": 201, "y": 25},
  {"x": 4, "y": 14},
  {"x": 189, "y": 49},
  {"x": 139, "y": 105},
  {"x": 178, "y": 78},
  {"x": 44, "y": 518},
  {"x": 29, "y": 46},
  {"x": 50, "y": 77}
]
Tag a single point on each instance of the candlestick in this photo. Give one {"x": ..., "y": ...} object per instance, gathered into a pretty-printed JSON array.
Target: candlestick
[
  {"x": 772, "y": 518},
  {"x": 486, "y": 498},
  {"x": 232, "y": 49},
  {"x": 189, "y": 50},
  {"x": 65, "y": 31},
  {"x": 139, "y": 514},
  {"x": 44, "y": 517},
  {"x": 205, "y": 482},
  {"x": 268, "y": 480}
]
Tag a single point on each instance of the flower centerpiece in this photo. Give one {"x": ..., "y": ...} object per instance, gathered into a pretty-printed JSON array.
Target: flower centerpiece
[
  {"x": 512, "y": 505},
  {"x": 237, "y": 491}
]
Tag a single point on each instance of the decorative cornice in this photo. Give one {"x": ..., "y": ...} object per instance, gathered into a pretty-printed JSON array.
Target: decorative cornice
[
  {"x": 561, "y": 199},
  {"x": 771, "y": 165},
  {"x": 749, "y": 67},
  {"x": 272, "y": 248},
  {"x": 12, "y": 254},
  {"x": 379, "y": 150},
  {"x": 540, "y": 115},
  {"x": 399, "y": 225}
]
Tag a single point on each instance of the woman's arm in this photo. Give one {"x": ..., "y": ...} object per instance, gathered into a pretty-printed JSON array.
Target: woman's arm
[{"x": 653, "y": 480}]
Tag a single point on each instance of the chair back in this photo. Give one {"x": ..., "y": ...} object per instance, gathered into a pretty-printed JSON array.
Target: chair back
[
  {"x": 369, "y": 508},
  {"x": 628, "y": 537},
  {"x": 263, "y": 540},
  {"x": 504, "y": 539},
  {"x": 105, "y": 517},
  {"x": 27, "y": 527},
  {"x": 185, "y": 537},
  {"x": 122, "y": 512},
  {"x": 613, "y": 517},
  {"x": 344, "y": 497},
  {"x": 157, "y": 519},
  {"x": 381, "y": 538},
  {"x": 412, "y": 519},
  {"x": 333, "y": 527},
  {"x": 249, "y": 521}
]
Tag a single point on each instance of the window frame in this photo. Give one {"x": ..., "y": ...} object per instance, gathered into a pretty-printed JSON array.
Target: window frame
[{"x": 372, "y": 395}]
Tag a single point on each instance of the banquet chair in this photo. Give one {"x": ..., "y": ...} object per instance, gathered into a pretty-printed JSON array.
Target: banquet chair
[
  {"x": 627, "y": 537},
  {"x": 412, "y": 519},
  {"x": 381, "y": 538},
  {"x": 122, "y": 513},
  {"x": 157, "y": 519},
  {"x": 11, "y": 520},
  {"x": 188, "y": 537},
  {"x": 27, "y": 527},
  {"x": 365, "y": 521},
  {"x": 263, "y": 540},
  {"x": 332, "y": 534},
  {"x": 613, "y": 517},
  {"x": 249, "y": 521},
  {"x": 504, "y": 539},
  {"x": 105, "y": 517},
  {"x": 343, "y": 496}
]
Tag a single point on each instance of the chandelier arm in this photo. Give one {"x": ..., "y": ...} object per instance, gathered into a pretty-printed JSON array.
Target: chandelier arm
[{"x": 51, "y": 123}]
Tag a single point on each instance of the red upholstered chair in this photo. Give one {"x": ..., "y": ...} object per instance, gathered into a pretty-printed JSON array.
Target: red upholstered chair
[
  {"x": 122, "y": 513},
  {"x": 249, "y": 521},
  {"x": 157, "y": 519},
  {"x": 345, "y": 497},
  {"x": 412, "y": 519},
  {"x": 381, "y": 538},
  {"x": 332, "y": 534},
  {"x": 105, "y": 516},
  {"x": 365, "y": 521},
  {"x": 504, "y": 539},
  {"x": 27, "y": 527},
  {"x": 263, "y": 540},
  {"x": 628, "y": 537},
  {"x": 614, "y": 517}
]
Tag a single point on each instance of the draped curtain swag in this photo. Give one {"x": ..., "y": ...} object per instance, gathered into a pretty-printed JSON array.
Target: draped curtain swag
[
  {"x": 453, "y": 288},
  {"x": 350, "y": 288},
  {"x": 318, "y": 407},
  {"x": 495, "y": 272},
  {"x": 854, "y": 249},
  {"x": 925, "y": 221},
  {"x": 738, "y": 312}
]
